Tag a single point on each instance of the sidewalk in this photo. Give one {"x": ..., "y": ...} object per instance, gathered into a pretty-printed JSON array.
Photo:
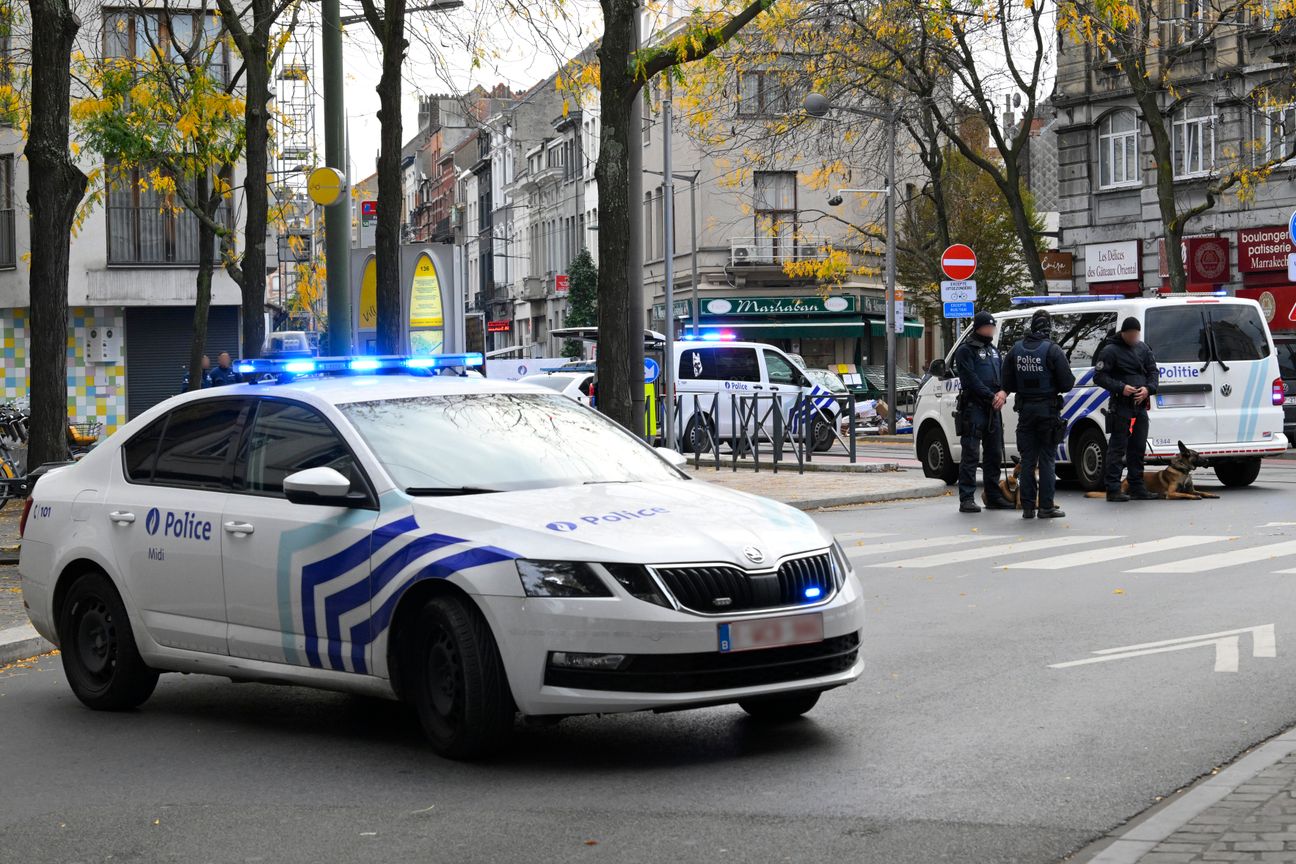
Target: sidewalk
[
  {"x": 1245, "y": 812},
  {"x": 816, "y": 489},
  {"x": 17, "y": 639}
]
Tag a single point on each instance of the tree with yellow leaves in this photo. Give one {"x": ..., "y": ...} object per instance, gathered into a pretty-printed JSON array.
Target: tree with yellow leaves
[
  {"x": 163, "y": 112},
  {"x": 1165, "y": 59}
]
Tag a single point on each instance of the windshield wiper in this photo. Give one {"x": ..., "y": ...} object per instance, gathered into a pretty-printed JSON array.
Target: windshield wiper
[{"x": 443, "y": 491}]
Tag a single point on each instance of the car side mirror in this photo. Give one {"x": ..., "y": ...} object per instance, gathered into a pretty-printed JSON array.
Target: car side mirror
[
  {"x": 321, "y": 485},
  {"x": 674, "y": 457},
  {"x": 937, "y": 369}
]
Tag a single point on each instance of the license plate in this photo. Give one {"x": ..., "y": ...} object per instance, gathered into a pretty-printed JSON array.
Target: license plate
[
  {"x": 770, "y": 632},
  {"x": 1181, "y": 400},
  {"x": 1289, "y": 400}
]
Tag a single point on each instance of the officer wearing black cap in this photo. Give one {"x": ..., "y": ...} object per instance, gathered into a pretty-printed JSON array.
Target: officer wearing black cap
[
  {"x": 1126, "y": 369},
  {"x": 979, "y": 423},
  {"x": 1037, "y": 370}
]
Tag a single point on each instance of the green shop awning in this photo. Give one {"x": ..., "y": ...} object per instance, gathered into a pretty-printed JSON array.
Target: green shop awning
[
  {"x": 912, "y": 329},
  {"x": 755, "y": 331}
]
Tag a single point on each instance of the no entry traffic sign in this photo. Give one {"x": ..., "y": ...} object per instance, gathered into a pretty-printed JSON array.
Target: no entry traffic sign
[{"x": 959, "y": 262}]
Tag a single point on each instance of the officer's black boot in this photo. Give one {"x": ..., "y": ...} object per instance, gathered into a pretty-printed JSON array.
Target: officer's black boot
[
  {"x": 969, "y": 506},
  {"x": 1028, "y": 512},
  {"x": 1051, "y": 513},
  {"x": 1142, "y": 495},
  {"x": 1117, "y": 496}
]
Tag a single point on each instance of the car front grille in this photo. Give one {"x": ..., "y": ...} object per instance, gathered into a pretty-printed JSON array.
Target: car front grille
[
  {"x": 689, "y": 673},
  {"x": 718, "y": 589}
]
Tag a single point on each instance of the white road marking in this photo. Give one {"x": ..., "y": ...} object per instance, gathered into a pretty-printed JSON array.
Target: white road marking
[
  {"x": 1277, "y": 524},
  {"x": 852, "y": 536},
  {"x": 1223, "y": 559},
  {"x": 1263, "y": 644},
  {"x": 1111, "y": 553},
  {"x": 867, "y": 551},
  {"x": 994, "y": 551}
]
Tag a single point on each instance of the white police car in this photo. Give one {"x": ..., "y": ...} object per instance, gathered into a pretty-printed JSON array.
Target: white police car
[{"x": 475, "y": 547}]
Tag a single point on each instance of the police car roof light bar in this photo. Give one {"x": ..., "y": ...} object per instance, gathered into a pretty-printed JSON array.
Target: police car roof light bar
[
  {"x": 276, "y": 370},
  {"x": 1037, "y": 300},
  {"x": 710, "y": 336}
]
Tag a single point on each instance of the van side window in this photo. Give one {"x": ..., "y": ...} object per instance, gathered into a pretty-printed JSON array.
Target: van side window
[
  {"x": 780, "y": 370},
  {"x": 1079, "y": 335},
  {"x": 1176, "y": 334},
  {"x": 1238, "y": 332},
  {"x": 719, "y": 364},
  {"x": 1011, "y": 330}
]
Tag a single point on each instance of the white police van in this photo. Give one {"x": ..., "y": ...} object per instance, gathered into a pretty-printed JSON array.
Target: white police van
[
  {"x": 726, "y": 387},
  {"x": 1221, "y": 390},
  {"x": 478, "y": 548}
]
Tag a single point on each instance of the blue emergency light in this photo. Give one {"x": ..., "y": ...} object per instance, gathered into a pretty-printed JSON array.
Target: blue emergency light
[
  {"x": 709, "y": 336},
  {"x": 277, "y": 370},
  {"x": 1050, "y": 300}
]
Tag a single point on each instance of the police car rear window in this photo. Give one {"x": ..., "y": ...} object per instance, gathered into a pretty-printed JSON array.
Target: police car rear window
[
  {"x": 1238, "y": 332},
  {"x": 719, "y": 364},
  {"x": 197, "y": 443},
  {"x": 1177, "y": 334}
]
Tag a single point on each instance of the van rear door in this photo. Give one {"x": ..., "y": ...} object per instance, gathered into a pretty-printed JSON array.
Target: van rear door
[
  {"x": 1184, "y": 407},
  {"x": 1244, "y": 373}
]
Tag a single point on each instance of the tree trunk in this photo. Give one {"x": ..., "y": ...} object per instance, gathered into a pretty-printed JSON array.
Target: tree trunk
[
  {"x": 387, "y": 233},
  {"x": 618, "y": 370},
  {"x": 1025, "y": 229},
  {"x": 55, "y": 191},
  {"x": 1163, "y": 160},
  {"x": 256, "y": 185},
  {"x": 206, "y": 264}
]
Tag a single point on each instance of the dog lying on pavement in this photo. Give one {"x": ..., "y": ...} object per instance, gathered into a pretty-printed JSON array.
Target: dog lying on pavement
[{"x": 1173, "y": 482}]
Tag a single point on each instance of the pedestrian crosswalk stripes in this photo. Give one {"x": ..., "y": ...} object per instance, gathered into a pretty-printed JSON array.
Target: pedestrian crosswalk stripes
[
  {"x": 873, "y": 549},
  {"x": 1181, "y": 553},
  {"x": 1116, "y": 552},
  {"x": 997, "y": 551},
  {"x": 1231, "y": 558}
]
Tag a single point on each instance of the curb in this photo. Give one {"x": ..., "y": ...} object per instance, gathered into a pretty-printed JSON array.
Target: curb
[
  {"x": 1131, "y": 841},
  {"x": 810, "y": 467},
  {"x": 17, "y": 643},
  {"x": 902, "y": 494}
]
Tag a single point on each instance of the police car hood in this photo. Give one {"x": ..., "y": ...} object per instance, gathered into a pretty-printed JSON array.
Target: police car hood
[{"x": 661, "y": 522}]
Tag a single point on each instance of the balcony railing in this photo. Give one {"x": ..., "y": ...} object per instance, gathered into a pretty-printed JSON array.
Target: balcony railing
[{"x": 775, "y": 250}]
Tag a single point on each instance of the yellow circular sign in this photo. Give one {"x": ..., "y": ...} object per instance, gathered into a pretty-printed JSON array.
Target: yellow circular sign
[{"x": 326, "y": 186}]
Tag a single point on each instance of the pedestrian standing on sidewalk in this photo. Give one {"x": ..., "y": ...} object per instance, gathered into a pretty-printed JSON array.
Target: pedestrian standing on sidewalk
[
  {"x": 1127, "y": 369},
  {"x": 977, "y": 418},
  {"x": 1037, "y": 370}
]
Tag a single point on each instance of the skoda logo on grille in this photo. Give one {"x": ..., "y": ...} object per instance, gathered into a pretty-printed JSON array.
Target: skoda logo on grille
[{"x": 754, "y": 555}]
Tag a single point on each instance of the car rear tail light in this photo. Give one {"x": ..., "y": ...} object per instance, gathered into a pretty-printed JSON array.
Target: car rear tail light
[
  {"x": 1278, "y": 391},
  {"x": 22, "y": 520}
]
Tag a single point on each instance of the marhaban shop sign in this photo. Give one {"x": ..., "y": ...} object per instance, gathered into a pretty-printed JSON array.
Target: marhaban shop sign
[{"x": 812, "y": 305}]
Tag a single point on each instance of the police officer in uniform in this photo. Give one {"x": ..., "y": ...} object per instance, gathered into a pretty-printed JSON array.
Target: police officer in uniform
[
  {"x": 1126, "y": 369},
  {"x": 979, "y": 423},
  {"x": 1037, "y": 370}
]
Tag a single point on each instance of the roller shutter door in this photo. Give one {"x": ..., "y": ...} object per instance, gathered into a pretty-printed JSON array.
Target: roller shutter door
[{"x": 157, "y": 349}]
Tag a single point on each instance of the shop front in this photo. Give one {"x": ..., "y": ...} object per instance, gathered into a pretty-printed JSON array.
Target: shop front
[
  {"x": 1262, "y": 263},
  {"x": 1205, "y": 260},
  {"x": 1114, "y": 268}
]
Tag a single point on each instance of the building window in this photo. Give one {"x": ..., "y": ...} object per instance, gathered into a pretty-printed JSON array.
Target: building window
[
  {"x": 763, "y": 93},
  {"x": 146, "y": 226},
  {"x": 1118, "y": 150},
  {"x": 8, "y": 253},
  {"x": 1279, "y": 133},
  {"x": 1193, "y": 139},
  {"x": 144, "y": 35},
  {"x": 776, "y": 214},
  {"x": 1189, "y": 20}
]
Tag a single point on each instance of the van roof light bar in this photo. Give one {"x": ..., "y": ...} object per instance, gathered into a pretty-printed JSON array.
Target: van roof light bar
[
  {"x": 279, "y": 370},
  {"x": 1049, "y": 300}
]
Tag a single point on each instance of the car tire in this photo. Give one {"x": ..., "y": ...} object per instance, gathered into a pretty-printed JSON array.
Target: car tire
[
  {"x": 1089, "y": 459},
  {"x": 1238, "y": 472},
  {"x": 100, "y": 657},
  {"x": 782, "y": 708},
  {"x": 459, "y": 688},
  {"x": 937, "y": 461},
  {"x": 698, "y": 437},
  {"x": 821, "y": 433}
]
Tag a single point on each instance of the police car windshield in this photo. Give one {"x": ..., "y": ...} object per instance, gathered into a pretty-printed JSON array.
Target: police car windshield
[{"x": 500, "y": 442}]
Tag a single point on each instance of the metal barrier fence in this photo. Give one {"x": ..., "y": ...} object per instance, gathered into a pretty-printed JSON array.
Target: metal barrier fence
[{"x": 770, "y": 429}]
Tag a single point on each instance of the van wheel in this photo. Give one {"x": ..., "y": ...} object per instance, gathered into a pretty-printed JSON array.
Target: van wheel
[
  {"x": 697, "y": 436},
  {"x": 459, "y": 687},
  {"x": 782, "y": 708},
  {"x": 1238, "y": 472},
  {"x": 936, "y": 459},
  {"x": 1089, "y": 459},
  {"x": 100, "y": 658},
  {"x": 821, "y": 433}
]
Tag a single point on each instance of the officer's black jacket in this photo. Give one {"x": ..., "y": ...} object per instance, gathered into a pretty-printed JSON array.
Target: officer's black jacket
[
  {"x": 1118, "y": 365},
  {"x": 1059, "y": 368},
  {"x": 979, "y": 369}
]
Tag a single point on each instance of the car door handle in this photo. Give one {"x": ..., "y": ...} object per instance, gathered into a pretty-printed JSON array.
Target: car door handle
[
  {"x": 121, "y": 517},
  {"x": 239, "y": 529}
]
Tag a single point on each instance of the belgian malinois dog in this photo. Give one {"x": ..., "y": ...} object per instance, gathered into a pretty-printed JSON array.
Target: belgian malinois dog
[
  {"x": 1173, "y": 482},
  {"x": 1010, "y": 484}
]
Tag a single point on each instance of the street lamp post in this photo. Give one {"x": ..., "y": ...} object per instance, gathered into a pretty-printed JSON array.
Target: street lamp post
[{"x": 817, "y": 105}]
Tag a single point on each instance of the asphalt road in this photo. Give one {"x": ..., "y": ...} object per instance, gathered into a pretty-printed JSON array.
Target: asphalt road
[{"x": 959, "y": 744}]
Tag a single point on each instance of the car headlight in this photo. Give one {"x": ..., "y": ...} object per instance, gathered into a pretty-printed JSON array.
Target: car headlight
[
  {"x": 635, "y": 580},
  {"x": 841, "y": 563},
  {"x": 560, "y": 579}
]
